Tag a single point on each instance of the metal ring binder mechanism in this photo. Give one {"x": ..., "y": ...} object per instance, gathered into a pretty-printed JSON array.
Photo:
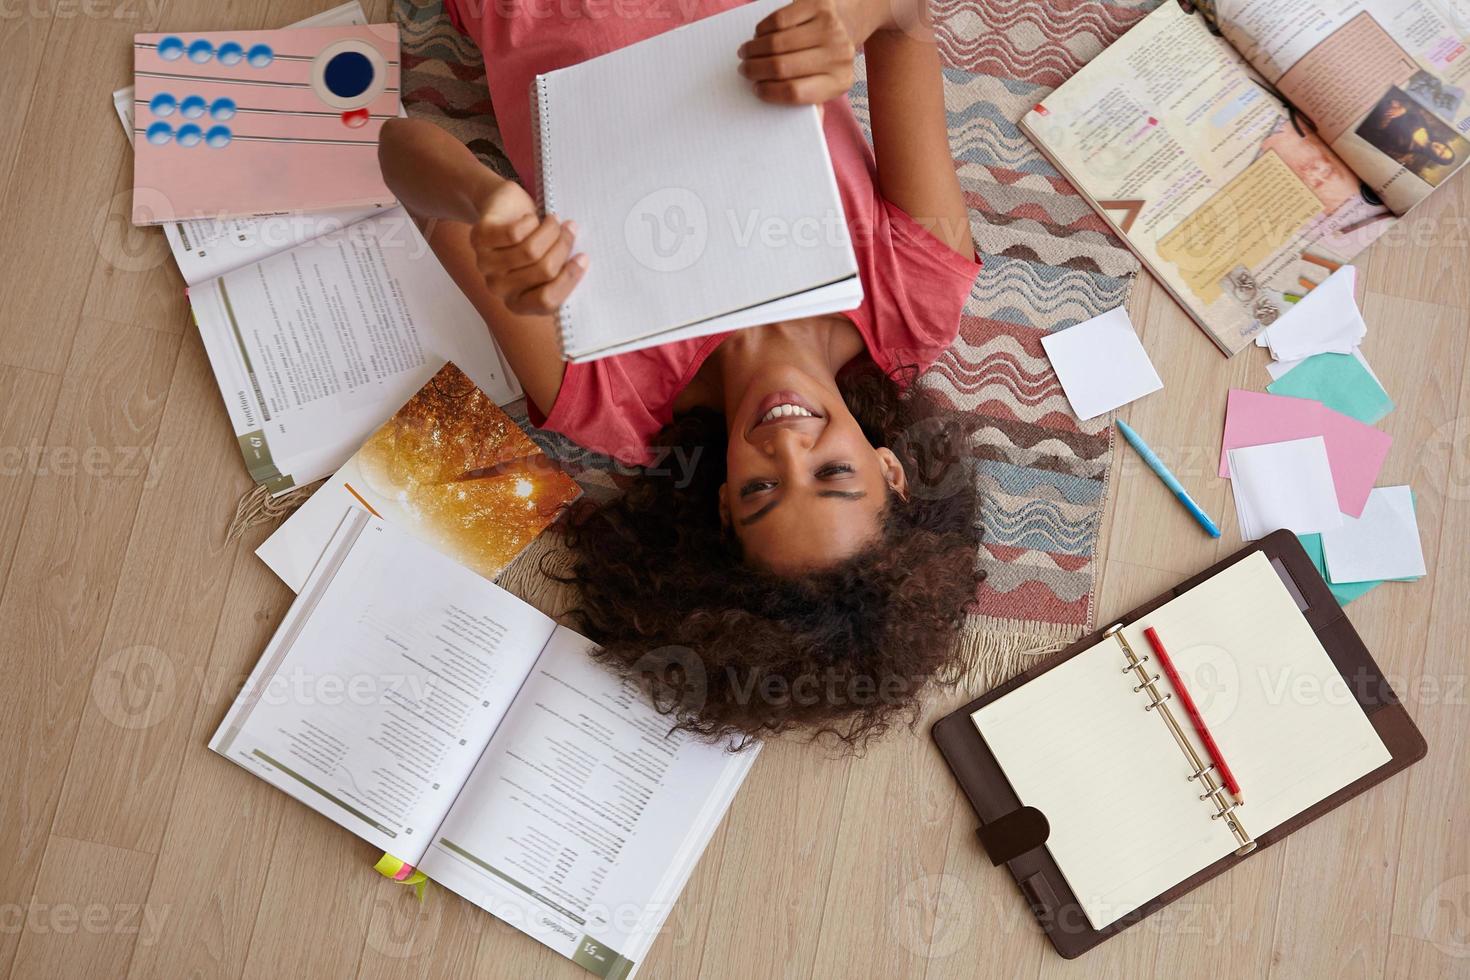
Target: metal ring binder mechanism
[{"x": 1203, "y": 771}]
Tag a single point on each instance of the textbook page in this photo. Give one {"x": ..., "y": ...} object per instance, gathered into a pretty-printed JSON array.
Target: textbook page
[
  {"x": 204, "y": 248},
  {"x": 585, "y": 816},
  {"x": 313, "y": 348},
  {"x": 1234, "y": 206},
  {"x": 382, "y": 686},
  {"x": 1384, "y": 81}
]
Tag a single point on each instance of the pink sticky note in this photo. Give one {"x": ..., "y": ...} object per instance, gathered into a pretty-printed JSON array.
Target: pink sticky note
[{"x": 1355, "y": 451}]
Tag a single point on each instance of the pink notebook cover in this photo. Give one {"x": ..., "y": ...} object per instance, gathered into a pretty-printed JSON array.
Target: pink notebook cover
[{"x": 240, "y": 123}]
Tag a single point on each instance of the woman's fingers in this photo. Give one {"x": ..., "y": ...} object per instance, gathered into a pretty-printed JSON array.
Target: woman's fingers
[
  {"x": 534, "y": 241},
  {"x": 795, "y": 13},
  {"x": 808, "y": 35},
  {"x": 546, "y": 298},
  {"x": 525, "y": 289},
  {"x": 798, "y": 64}
]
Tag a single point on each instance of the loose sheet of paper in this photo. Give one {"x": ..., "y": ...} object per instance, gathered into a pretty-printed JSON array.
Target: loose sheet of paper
[
  {"x": 1126, "y": 822},
  {"x": 1342, "y": 382},
  {"x": 1326, "y": 319},
  {"x": 1284, "y": 485},
  {"x": 1382, "y": 544},
  {"x": 1356, "y": 451},
  {"x": 1101, "y": 363}
]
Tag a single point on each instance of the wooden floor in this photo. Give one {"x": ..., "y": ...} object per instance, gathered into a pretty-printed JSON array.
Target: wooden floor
[{"x": 128, "y": 849}]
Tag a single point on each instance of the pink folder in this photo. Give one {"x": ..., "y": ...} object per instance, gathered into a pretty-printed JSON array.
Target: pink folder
[
  {"x": 1355, "y": 451},
  {"x": 239, "y": 123}
]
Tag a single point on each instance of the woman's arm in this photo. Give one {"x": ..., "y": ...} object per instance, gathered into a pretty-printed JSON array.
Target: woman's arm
[
  {"x": 514, "y": 267},
  {"x": 911, "y": 135},
  {"x": 802, "y": 55}
]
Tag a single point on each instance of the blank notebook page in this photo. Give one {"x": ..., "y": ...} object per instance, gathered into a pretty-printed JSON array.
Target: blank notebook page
[
  {"x": 692, "y": 197},
  {"x": 1126, "y": 822}
]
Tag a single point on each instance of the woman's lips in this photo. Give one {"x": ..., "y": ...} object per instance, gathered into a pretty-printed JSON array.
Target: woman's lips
[{"x": 777, "y": 398}]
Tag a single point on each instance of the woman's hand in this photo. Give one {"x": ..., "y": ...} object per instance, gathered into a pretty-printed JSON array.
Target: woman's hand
[
  {"x": 527, "y": 261},
  {"x": 801, "y": 54}
]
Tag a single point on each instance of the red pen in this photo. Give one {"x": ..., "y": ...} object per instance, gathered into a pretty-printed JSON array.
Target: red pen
[{"x": 1194, "y": 714}]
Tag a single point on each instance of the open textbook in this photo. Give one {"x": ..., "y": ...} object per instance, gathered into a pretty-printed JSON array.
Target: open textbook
[
  {"x": 449, "y": 723},
  {"x": 1248, "y": 149},
  {"x": 702, "y": 208}
]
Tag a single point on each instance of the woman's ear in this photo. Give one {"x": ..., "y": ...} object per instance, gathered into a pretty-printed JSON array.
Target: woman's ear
[
  {"x": 725, "y": 505},
  {"x": 889, "y": 466}
]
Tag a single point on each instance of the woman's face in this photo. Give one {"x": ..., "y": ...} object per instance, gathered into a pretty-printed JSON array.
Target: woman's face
[{"x": 804, "y": 487}]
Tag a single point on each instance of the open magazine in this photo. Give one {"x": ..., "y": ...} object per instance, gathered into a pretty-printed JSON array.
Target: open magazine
[
  {"x": 1245, "y": 149},
  {"x": 445, "y": 721}
]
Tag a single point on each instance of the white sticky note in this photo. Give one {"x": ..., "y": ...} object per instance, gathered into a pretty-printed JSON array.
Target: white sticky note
[
  {"x": 1101, "y": 363},
  {"x": 1382, "y": 544},
  {"x": 1284, "y": 485},
  {"x": 1326, "y": 320}
]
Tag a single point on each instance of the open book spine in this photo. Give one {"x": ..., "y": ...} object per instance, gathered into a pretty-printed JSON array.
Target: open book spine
[
  {"x": 545, "y": 184},
  {"x": 1215, "y": 791}
]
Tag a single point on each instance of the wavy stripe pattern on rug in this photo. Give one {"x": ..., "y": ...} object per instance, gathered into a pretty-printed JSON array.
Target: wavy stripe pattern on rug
[{"x": 1050, "y": 262}]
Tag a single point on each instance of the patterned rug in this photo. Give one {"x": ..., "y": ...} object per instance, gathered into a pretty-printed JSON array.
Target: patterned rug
[{"x": 1049, "y": 263}]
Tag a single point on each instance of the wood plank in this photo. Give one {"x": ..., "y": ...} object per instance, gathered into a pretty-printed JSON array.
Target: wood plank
[
  {"x": 896, "y": 817},
  {"x": 67, "y": 559},
  {"x": 25, "y": 415},
  {"x": 767, "y": 912},
  {"x": 55, "y": 204},
  {"x": 1432, "y": 889},
  {"x": 213, "y": 859},
  {"x": 121, "y": 783},
  {"x": 1423, "y": 255},
  {"x": 22, "y": 41},
  {"x": 87, "y": 912}
]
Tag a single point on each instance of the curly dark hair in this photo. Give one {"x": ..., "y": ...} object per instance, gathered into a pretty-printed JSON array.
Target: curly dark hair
[{"x": 727, "y": 650}]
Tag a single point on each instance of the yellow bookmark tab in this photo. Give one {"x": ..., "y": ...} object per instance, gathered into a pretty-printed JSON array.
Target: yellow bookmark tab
[{"x": 405, "y": 874}]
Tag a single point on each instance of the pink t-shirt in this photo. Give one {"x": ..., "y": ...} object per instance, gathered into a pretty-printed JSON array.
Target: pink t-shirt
[{"x": 914, "y": 285}]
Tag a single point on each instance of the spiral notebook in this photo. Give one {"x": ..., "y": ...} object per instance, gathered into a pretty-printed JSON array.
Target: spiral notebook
[
  {"x": 1096, "y": 791},
  {"x": 701, "y": 208}
]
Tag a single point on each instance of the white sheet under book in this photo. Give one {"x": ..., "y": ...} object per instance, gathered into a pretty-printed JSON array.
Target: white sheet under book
[
  {"x": 1126, "y": 822},
  {"x": 702, "y": 209}
]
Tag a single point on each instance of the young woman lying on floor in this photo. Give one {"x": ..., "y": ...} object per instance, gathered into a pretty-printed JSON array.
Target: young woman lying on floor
[{"x": 813, "y": 573}]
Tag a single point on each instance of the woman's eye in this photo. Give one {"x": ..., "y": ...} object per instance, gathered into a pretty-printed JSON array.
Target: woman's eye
[
  {"x": 833, "y": 470},
  {"x": 756, "y": 486}
]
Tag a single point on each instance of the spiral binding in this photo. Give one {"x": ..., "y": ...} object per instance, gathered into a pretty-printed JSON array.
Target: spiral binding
[
  {"x": 545, "y": 198},
  {"x": 1203, "y": 771}
]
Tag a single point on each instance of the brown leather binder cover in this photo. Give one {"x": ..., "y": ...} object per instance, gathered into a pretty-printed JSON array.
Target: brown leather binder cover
[{"x": 1013, "y": 833}]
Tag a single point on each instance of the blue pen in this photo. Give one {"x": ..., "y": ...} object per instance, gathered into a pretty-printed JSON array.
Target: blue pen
[{"x": 1170, "y": 481}]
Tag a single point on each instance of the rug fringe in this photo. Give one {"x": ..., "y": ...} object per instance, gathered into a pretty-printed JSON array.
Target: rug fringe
[
  {"x": 258, "y": 507},
  {"x": 993, "y": 650}
]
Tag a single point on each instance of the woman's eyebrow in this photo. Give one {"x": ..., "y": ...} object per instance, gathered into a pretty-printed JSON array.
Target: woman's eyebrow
[{"x": 839, "y": 494}]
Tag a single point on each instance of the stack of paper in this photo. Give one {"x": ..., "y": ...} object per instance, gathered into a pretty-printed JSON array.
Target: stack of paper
[
  {"x": 1284, "y": 484},
  {"x": 1355, "y": 451}
]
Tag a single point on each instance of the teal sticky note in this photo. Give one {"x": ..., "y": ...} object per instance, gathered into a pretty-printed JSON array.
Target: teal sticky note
[{"x": 1339, "y": 381}]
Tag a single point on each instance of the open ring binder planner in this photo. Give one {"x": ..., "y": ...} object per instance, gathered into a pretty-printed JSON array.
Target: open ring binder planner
[
  {"x": 1056, "y": 758},
  {"x": 1202, "y": 770}
]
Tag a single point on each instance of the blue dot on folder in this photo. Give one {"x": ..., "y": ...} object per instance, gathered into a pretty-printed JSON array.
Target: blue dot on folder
[
  {"x": 218, "y": 136},
  {"x": 193, "y": 107},
  {"x": 189, "y": 135},
  {"x": 223, "y": 109},
  {"x": 159, "y": 133},
  {"x": 201, "y": 51},
  {"x": 260, "y": 56},
  {"x": 163, "y": 104},
  {"x": 348, "y": 74},
  {"x": 230, "y": 53},
  {"x": 170, "y": 49}
]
